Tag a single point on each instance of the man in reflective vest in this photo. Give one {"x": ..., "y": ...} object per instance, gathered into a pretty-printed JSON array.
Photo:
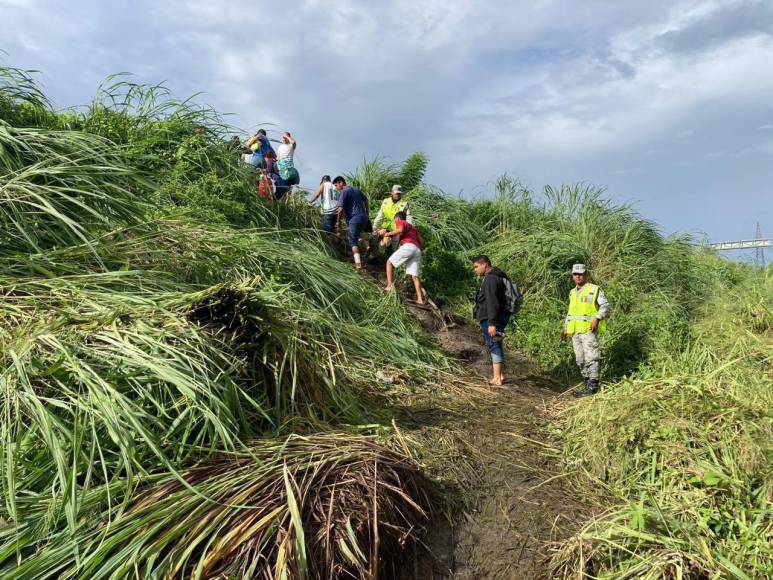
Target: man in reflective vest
[
  {"x": 585, "y": 320},
  {"x": 385, "y": 218}
]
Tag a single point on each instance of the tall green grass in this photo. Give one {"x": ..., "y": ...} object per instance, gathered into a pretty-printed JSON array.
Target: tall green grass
[
  {"x": 313, "y": 506},
  {"x": 685, "y": 446},
  {"x": 158, "y": 316}
]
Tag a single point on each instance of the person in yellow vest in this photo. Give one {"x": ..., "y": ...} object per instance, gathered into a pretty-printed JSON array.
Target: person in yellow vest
[
  {"x": 585, "y": 320},
  {"x": 385, "y": 218}
]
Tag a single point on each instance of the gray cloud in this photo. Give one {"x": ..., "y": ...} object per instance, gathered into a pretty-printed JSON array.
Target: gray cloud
[
  {"x": 547, "y": 91},
  {"x": 728, "y": 22}
]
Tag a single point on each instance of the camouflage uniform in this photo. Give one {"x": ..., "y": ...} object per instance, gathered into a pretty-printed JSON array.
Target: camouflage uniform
[{"x": 587, "y": 354}]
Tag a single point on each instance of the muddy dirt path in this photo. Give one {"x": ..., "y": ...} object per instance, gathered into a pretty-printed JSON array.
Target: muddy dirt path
[{"x": 521, "y": 504}]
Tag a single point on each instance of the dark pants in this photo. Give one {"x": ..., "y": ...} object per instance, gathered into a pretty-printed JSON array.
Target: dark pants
[
  {"x": 283, "y": 186},
  {"x": 357, "y": 226},
  {"x": 495, "y": 347},
  {"x": 329, "y": 222}
]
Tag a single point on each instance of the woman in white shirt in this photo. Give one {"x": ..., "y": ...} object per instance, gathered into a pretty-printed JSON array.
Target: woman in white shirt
[{"x": 288, "y": 175}]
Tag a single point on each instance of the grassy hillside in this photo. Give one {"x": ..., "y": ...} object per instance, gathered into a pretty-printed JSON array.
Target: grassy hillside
[
  {"x": 163, "y": 331},
  {"x": 192, "y": 381},
  {"x": 685, "y": 444}
]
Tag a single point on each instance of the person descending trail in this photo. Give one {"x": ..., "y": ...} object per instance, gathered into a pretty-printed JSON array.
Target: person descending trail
[
  {"x": 496, "y": 300},
  {"x": 385, "y": 218},
  {"x": 408, "y": 253},
  {"x": 329, "y": 204},
  {"x": 354, "y": 206},
  {"x": 585, "y": 320},
  {"x": 288, "y": 174}
]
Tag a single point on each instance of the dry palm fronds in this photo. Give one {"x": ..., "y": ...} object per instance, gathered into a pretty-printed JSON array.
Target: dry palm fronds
[{"x": 323, "y": 506}]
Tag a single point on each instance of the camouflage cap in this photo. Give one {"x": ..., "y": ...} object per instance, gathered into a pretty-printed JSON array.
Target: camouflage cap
[{"x": 579, "y": 269}]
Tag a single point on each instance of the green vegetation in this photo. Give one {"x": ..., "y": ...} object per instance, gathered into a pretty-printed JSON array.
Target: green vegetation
[
  {"x": 160, "y": 325},
  {"x": 685, "y": 445},
  {"x": 683, "y": 441},
  {"x": 192, "y": 382}
]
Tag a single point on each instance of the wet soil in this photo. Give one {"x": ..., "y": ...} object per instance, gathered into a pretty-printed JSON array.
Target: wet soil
[{"x": 519, "y": 505}]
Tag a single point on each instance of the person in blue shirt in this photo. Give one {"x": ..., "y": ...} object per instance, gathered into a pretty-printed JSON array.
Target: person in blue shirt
[
  {"x": 353, "y": 205},
  {"x": 260, "y": 146}
]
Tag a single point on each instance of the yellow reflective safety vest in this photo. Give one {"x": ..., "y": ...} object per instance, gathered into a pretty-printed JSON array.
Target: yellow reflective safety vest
[
  {"x": 389, "y": 209},
  {"x": 583, "y": 308}
]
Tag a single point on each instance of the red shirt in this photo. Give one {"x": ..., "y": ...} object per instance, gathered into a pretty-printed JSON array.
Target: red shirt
[{"x": 410, "y": 234}]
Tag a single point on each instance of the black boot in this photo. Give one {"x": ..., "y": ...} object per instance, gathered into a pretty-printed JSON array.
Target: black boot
[
  {"x": 593, "y": 387},
  {"x": 583, "y": 391}
]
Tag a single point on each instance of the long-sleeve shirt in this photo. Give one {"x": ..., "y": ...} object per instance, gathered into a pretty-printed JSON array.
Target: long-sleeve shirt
[
  {"x": 602, "y": 303},
  {"x": 380, "y": 215},
  {"x": 490, "y": 298}
]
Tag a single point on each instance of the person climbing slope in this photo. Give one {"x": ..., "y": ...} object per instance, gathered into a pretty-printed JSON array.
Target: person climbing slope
[
  {"x": 285, "y": 164},
  {"x": 260, "y": 146},
  {"x": 271, "y": 170},
  {"x": 353, "y": 205},
  {"x": 385, "y": 218},
  {"x": 408, "y": 253},
  {"x": 329, "y": 204}
]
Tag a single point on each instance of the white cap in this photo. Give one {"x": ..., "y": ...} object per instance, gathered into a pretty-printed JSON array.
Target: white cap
[{"x": 397, "y": 189}]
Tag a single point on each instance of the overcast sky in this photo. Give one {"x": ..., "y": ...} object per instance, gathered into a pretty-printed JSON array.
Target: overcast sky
[{"x": 669, "y": 104}]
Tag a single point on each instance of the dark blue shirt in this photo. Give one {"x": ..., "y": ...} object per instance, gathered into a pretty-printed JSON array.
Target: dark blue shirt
[
  {"x": 352, "y": 200},
  {"x": 265, "y": 146}
]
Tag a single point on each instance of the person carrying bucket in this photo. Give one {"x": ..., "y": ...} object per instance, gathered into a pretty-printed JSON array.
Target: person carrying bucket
[{"x": 260, "y": 146}]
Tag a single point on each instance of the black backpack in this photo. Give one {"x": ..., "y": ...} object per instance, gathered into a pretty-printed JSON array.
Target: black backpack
[{"x": 513, "y": 296}]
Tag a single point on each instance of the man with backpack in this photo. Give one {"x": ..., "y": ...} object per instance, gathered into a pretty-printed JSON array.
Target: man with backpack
[{"x": 496, "y": 300}]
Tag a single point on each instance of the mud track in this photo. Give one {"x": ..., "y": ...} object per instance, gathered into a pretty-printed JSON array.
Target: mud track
[{"x": 520, "y": 505}]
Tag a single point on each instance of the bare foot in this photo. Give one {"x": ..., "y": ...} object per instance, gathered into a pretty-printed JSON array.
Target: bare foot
[
  {"x": 494, "y": 383},
  {"x": 387, "y": 288}
]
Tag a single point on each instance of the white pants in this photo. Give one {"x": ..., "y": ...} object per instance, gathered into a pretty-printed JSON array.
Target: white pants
[{"x": 408, "y": 255}]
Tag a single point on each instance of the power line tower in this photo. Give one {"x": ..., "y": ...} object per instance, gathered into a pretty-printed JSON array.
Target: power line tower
[
  {"x": 758, "y": 244},
  {"x": 759, "y": 251}
]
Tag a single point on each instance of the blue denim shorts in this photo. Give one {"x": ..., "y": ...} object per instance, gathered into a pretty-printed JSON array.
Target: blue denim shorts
[
  {"x": 354, "y": 231},
  {"x": 496, "y": 348}
]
